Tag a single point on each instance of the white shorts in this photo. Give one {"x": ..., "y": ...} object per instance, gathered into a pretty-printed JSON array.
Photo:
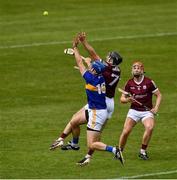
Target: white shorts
[
  {"x": 86, "y": 107},
  {"x": 97, "y": 118},
  {"x": 109, "y": 104},
  {"x": 139, "y": 115}
]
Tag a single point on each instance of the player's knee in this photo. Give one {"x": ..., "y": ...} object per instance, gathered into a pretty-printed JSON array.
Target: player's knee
[
  {"x": 149, "y": 128},
  {"x": 77, "y": 120},
  {"x": 126, "y": 131},
  {"x": 90, "y": 145},
  {"x": 73, "y": 117},
  {"x": 74, "y": 120},
  {"x": 93, "y": 146},
  {"x": 73, "y": 124}
]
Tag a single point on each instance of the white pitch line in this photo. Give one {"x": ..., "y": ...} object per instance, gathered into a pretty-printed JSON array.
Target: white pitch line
[
  {"x": 34, "y": 44},
  {"x": 151, "y": 174},
  {"x": 93, "y": 40}
]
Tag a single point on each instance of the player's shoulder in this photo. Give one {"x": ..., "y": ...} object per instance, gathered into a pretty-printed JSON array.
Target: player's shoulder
[
  {"x": 88, "y": 75},
  {"x": 131, "y": 80},
  {"x": 110, "y": 67},
  {"x": 150, "y": 82},
  {"x": 147, "y": 79}
]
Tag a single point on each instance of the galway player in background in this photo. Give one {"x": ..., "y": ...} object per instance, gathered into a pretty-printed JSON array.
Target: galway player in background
[
  {"x": 111, "y": 75},
  {"x": 142, "y": 89}
]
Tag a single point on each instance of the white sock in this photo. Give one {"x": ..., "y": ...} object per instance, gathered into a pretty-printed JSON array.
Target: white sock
[
  {"x": 114, "y": 150},
  {"x": 60, "y": 139},
  {"x": 73, "y": 144},
  {"x": 142, "y": 151},
  {"x": 88, "y": 156}
]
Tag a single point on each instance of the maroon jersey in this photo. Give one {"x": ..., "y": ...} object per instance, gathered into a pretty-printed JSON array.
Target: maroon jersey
[
  {"x": 111, "y": 75},
  {"x": 142, "y": 92}
]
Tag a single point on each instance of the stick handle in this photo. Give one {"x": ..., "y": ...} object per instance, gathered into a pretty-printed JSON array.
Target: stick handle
[{"x": 129, "y": 95}]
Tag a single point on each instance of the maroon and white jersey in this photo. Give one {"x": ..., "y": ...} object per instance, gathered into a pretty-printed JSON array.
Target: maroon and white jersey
[
  {"x": 111, "y": 75},
  {"x": 142, "y": 92}
]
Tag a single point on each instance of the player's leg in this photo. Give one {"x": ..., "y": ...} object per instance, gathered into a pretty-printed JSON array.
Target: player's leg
[
  {"x": 149, "y": 126},
  {"x": 94, "y": 143},
  {"x": 59, "y": 142},
  {"x": 77, "y": 119},
  {"x": 128, "y": 125},
  {"x": 110, "y": 106},
  {"x": 92, "y": 136},
  {"x": 97, "y": 120}
]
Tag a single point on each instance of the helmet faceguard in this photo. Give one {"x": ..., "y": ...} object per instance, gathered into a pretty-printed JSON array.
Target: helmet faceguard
[
  {"x": 114, "y": 58},
  {"x": 137, "y": 69}
]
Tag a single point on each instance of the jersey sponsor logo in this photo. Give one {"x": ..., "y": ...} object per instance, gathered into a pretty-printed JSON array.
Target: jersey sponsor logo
[
  {"x": 132, "y": 87},
  {"x": 140, "y": 96},
  {"x": 144, "y": 87},
  {"x": 139, "y": 88}
]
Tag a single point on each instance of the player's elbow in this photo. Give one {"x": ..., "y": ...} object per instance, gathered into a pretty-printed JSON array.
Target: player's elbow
[{"x": 159, "y": 95}]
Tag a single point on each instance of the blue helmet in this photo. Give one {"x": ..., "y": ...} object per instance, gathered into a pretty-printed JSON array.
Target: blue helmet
[{"x": 98, "y": 66}]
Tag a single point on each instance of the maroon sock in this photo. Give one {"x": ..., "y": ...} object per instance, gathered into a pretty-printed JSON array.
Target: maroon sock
[
  {"x": 121, "y": 149},
  {"x": 90, "y": 152},
  {"x": 143, "y": 146},
  {"x": 63, "y": 135}
]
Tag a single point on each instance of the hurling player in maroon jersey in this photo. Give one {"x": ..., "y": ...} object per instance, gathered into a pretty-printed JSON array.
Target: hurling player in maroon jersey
[
  {"x": 142, "y": 89},
  {"x": 112, "y": 75}
]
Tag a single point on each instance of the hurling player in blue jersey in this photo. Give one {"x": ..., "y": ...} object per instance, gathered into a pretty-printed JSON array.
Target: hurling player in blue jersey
[
  {"x": 111, "y": 75},
  {"x": 97, "y": 109}
]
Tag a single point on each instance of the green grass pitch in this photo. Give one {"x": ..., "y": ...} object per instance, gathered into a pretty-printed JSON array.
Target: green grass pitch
[{"x": 40, "y": 89}]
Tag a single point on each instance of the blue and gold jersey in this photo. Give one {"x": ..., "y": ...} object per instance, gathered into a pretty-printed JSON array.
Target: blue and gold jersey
[{"x": 96, "y": 90}]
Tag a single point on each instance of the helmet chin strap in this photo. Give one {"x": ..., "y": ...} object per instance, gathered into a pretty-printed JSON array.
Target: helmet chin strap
[{"x": 110, "y": 61}]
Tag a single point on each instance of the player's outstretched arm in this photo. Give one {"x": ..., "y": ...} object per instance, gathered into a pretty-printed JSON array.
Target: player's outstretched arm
[
  {"x": 78, "y": 57},
  {"x": 87, "y": 60},
  {"x": 87, "y": 46}
]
